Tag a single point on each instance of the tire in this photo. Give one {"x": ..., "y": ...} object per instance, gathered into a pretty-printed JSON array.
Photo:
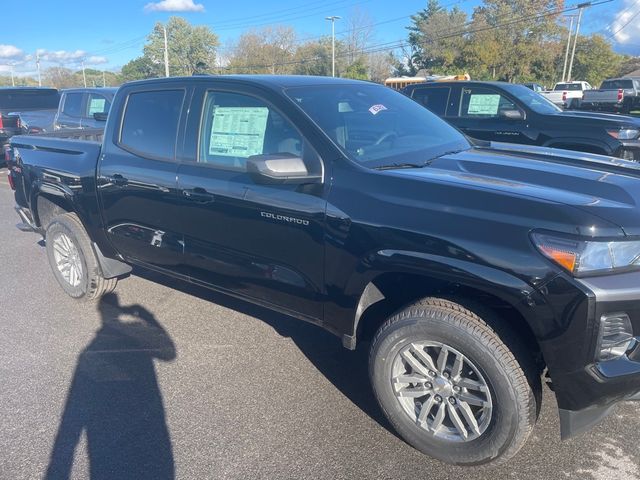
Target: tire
[
  {"x": 504, "y": 412},
  {"x": 73, "y": 261}
]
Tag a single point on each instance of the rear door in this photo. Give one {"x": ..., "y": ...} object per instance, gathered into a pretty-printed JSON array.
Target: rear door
[
  {"x": 69, "y": 115},
  {"x": 137, "y": 177},
  {"x": 265, "y": 242}
]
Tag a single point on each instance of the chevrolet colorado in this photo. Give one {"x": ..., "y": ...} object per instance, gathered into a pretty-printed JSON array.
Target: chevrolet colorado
[{"x": 470, "y": 272}]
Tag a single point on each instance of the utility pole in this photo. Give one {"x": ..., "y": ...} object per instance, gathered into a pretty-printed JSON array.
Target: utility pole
[
  {"x": 166, "y": 52},
  {"x": 566, "y": 53},
  {"x": 333, "y": 19},
  {"x": 13, "y": 83},
  {"x": 38, "y": 67},
  {"x": 581, "y": 7},
  {"x": 84, "y": 77},
  {"x": 104, "y": 79}
]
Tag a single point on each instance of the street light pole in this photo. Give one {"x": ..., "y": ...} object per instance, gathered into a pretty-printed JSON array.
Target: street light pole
[
  {"x": 166, "y": 52},
  {"x": 566, "y": 53},
  {"x": 84, "y": 77},
  {"x": 333, "y": 19},
  {"x": 581, "y": 7},
  {"x": 13, "y": 83}
]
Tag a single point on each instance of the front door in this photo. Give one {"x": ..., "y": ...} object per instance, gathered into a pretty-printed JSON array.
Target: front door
[
  {"x": 487, "y": 114},
  {"x": 137, "y": 180},
  {"x": 256, "y": 240}
]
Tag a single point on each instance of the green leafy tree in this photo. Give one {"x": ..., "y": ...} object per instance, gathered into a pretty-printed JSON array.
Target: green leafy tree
[
  {"x": 357, "y": 70},
  {"x": 595, "y": 60},
  {"x": 140, "y": 68},
  {"x": 314, "y": 58},
  {"x": 190, "y": 47},
  {"x": 267, "y": 50}
]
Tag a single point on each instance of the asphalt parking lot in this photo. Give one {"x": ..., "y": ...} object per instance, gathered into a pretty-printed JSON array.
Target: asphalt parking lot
[{"x": 158, "y": 382}]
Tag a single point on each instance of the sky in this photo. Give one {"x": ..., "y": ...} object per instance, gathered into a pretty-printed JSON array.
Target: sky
[{"x": 106, "y": 34}]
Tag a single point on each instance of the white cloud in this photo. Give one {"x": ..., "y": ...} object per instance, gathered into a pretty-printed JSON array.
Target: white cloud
[
  {"x": 96, "y": 60},
  {"x": 174, "y": 6},
  {"x": 626, "y": 24},
  {"x": 61, "y": 56},
  {"x": 9, "y": 51}
]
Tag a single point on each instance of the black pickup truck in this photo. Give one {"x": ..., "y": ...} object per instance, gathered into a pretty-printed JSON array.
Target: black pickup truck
[
  {"x": 505, "y": 112},
  {"x": 470, "y": 272}
]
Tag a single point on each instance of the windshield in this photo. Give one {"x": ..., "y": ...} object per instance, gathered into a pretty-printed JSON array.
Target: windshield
[
  {"x": 568, "y": 86},
  {"x": 536, "y": 102},
  {"x": 616, "y": 84},
  {"x": 377, "y": 126},
  {"x": 29, "y": 99}
]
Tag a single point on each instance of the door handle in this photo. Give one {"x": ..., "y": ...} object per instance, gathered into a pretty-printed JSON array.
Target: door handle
[
  {"x": 116, "y": 179},
  {"x": 198, "y": 195}
]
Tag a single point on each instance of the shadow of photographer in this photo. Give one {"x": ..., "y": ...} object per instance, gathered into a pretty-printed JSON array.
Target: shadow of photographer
[{"x": 115, "y": 399}]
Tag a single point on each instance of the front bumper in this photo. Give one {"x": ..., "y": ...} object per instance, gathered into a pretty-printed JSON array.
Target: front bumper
[{"x": 586, "y": 388}]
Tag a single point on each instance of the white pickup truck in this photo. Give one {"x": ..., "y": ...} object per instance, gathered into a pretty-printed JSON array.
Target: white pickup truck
[
  {"x": 614, "y": 95},
  {"x": 567, "y": 94}
]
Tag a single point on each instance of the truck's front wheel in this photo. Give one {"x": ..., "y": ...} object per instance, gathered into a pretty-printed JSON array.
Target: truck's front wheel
[
  {"x": 450, "y": 385},
  {"x": 73, "y": 260}
]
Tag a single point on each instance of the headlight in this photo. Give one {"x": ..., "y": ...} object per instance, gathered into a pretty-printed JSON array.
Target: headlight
[
  {"x": 585, "y": 256},
  {"x": 624, "y": 133}
]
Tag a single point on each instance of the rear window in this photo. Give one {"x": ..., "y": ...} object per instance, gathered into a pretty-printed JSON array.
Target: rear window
[
  {"x": 568, "y": 86},
  {"x": 150, "y": 123},
  {"x": 29, "y": 100},
  {"x": 616, "y": 84},
  {"x": 435, "y": 99}
]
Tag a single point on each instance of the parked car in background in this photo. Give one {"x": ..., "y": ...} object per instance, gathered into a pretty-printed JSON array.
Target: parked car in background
[
  {"x": 567, "y": 94},
  {"x": 22, "y": 106},
  {"x": 505, "y": 112},
  {"x": 470, "y": 270},
  {"x": 83, "y": 108},
  {"x": 536, "y": 87},
  {"x": 614, "y": 95}
]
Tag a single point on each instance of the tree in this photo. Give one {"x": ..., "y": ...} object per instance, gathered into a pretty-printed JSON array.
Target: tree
[
  {"x": 267, "y": 50},
  {"x": 189, "y": 47},
  {"x": 60, "y": 77},
  {"x": 314, "y": 58},
  {"x": 595, "y": 60},
  {"x": 357, "y": 70},
  {"x": 140, "y": 68}
]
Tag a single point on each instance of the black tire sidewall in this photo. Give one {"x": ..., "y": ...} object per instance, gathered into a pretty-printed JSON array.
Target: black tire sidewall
[
  {"x": 56, "y": 227},
  {"x": 504, "y": 423}
]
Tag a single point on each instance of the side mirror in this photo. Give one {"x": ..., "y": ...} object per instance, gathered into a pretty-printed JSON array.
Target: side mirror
[
  {"x": 512, "y": 114},
  {"x": 280, "y": 168},
  {"x": 100, "y": 116}
]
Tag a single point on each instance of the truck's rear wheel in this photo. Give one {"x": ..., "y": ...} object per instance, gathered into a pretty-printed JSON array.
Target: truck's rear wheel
[
  {"x": 450, "y": 386},
  {"x": 73, "y": 260}
]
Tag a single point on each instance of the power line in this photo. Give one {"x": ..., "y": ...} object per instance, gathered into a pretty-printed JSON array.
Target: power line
[{"x": 613, "y": 34}]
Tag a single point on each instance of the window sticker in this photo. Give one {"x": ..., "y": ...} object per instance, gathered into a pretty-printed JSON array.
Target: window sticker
[
  {"x": 96, "y": 105},
  {"x": 238, "y": 131},
  {"x": 375, "y": 109},
  {"x": 483, "y": 104}
]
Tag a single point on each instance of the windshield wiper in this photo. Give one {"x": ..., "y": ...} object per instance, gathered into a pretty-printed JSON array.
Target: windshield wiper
[{"x": 400, "y": 165}]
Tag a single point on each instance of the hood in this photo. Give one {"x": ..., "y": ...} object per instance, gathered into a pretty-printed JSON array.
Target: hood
[
  {"x": 606, "y": 189},
  {"x": 606, "y": 118}
]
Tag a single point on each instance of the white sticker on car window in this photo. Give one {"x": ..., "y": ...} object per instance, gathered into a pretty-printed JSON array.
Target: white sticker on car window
[
  {"x": 375, "y": 109},
  {"x": 238, "y": 131},
  {"x": 96, "y": 105},
  {"x": 484, "y": 104}
]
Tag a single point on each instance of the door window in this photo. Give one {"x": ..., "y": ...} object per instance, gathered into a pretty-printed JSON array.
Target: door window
[
  {"x": 72, "y": 105},
  {"x": 150, "y": 123},
  {"x": 484, "y": 103},
  {"x": 235, "y": 127},
  {"x": 97, "y": 104},
  {"x": 435, "y": 99}
]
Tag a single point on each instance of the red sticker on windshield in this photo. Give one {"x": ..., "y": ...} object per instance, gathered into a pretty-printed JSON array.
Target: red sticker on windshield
[{"x": 377, "y": 108}]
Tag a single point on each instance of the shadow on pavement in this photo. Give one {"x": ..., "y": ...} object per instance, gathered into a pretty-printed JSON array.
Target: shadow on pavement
[{"x": 115, "y": 400}]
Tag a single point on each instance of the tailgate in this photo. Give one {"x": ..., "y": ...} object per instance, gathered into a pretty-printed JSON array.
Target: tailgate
[
  {"x": 601, "y": 96},
  {"x": 9, "y": 122}
]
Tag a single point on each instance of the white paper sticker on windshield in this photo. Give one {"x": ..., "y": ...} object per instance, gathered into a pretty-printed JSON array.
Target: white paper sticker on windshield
[
  {"x": 483, "y": 104},
  {"x": 238, "y": 131},
  {"x": 375, "y": 109}
]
